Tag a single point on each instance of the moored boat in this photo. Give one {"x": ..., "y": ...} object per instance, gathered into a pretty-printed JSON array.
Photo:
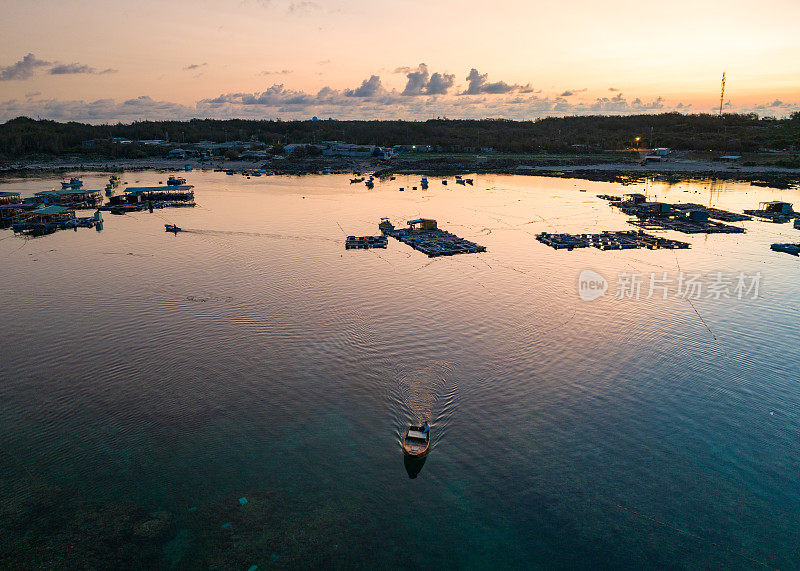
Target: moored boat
[
  {"x": 74, "y": 183},
  {"x": 416, "y": 440},
  {"x": 175, "y": 181}
]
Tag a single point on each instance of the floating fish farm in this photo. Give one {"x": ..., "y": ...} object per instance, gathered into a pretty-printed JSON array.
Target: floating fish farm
[
  {"x": 423, "y": 235},
  {"x": 687, "y": 225},
  {"x": 714, "y": 213},
  {"x": 775, "y": 211},
  {"x": 620, "y": 240},
  {"x": 686, "y": 218},
  {"x": 365, "y": 242}
]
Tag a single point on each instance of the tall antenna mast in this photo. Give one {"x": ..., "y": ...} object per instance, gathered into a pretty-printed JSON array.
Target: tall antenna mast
[{"x": 722, "y": 94}]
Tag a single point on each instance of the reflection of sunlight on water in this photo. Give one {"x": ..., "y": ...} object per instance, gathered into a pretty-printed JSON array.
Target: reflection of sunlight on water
[{"x": 427, "y": 394}]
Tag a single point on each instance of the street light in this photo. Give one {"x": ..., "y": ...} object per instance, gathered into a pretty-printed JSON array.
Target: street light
[{"x": 637, "y": 142}]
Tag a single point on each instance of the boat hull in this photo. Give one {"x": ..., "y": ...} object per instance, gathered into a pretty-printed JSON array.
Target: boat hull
[{"x": 414, "y": 446}]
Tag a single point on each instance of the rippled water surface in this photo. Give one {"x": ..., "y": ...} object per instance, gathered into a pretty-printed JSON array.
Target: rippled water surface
[{"x": 252, "y": 357}]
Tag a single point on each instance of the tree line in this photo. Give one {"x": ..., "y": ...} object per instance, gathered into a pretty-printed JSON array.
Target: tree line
[{"x": 732, "y": 133}]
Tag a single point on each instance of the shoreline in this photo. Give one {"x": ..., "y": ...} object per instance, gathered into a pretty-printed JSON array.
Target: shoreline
[{"x": 780, "y": 177}]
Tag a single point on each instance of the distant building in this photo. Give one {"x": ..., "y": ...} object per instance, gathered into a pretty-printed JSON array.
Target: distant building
[
  {"x": 661, "y": 151},
  {"x": 730, "y": 158},
  {"x": 635, "y": 198},
  {"x": 176, "y": 154},
  {"x": 778, "y": 207},
  {"x": 422, "y": 224}
]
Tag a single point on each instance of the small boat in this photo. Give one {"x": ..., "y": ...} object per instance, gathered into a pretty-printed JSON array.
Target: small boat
[
  {"x": 172, "y": 228},
  {"x": 74, "y": 183},
  {"x": 175, "y": 181},
  {"x": 369, "y": 184},
  {"x": 444, "y": 182},
  {"x": 469, "y": 181},
  {"x": 797, "y": 223},
  {"x": 416, "y": 442},
  {"x": 461, "y": 182}
]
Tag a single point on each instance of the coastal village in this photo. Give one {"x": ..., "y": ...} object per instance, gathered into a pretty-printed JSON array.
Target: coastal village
[{"x": 57, "y": 209}]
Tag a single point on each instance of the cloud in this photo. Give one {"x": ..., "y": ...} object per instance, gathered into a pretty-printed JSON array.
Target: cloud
[
  {"x": 478, "y": 84},
  {"x": 23, "y": 69},
  {"x": 566, "y": 94},
  {"x": 614, "y": 89},
  {"x": 420, "y": 82},
  {"x": 192, "y": 66},
  {"x": 323, "y": 62},
  {"x": 281, "y": 72},
  {"x": 570, "y": 92},
  {"x": 403, "y": 69},
  {"x": 370, "y": 100},
  {"x": 274, "y": 96},
  {"x": 99, "y": 111},
  {"x": 440, "y": 83},
  {"x": 369, "y": 88},
  {"x": 75, "y": 68}
]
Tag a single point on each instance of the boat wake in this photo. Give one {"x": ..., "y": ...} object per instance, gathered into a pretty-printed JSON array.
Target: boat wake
[
  {"x": 424, "y": 395},
  {"x": 258, "y": 235}
]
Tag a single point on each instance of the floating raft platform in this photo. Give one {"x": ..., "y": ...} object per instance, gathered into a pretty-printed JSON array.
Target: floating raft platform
[
  {"x": 619, "y": 240},
  {"x": 715, "y": 213},
  {"x": 365, "y": 242},
  {"x": 687, "y": 225},
  {"x": 424, "y": 235}
]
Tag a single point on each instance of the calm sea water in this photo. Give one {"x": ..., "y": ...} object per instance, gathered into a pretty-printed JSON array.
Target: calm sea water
[{"x": 253, "y": 357}]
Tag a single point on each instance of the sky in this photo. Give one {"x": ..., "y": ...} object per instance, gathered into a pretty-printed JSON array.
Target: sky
[{"x": 102, "y": 61}]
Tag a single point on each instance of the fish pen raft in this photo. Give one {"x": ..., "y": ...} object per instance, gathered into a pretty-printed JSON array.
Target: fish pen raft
[
  {"x": 365, "y": 242},
  {"x": 686, "y": 218},
  {"x": 142, "y": 198},
  {"x": 687, "y": 225},
  {"x": 620, "y": 240},
  {"x": 423, "y": 235}
]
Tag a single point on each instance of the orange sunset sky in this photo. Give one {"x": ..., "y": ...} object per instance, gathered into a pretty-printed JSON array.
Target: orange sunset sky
[{"x": 99, "y": 61}]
